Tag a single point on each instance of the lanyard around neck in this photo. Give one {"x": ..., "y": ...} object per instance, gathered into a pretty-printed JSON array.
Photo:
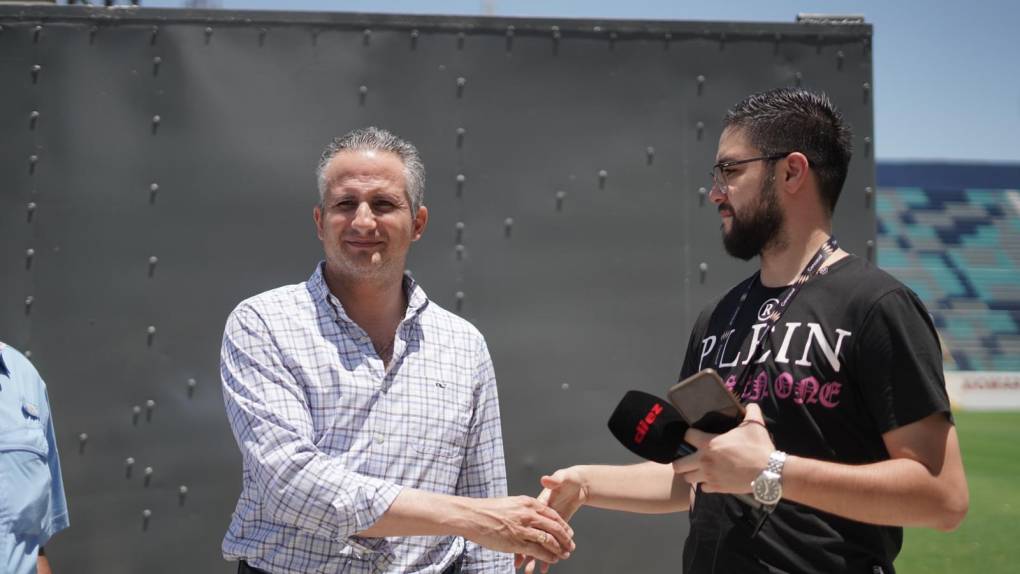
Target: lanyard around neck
[{"x": 823, "y": 253}]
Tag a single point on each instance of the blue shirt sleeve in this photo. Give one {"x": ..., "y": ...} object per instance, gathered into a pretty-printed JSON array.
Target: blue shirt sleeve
[{"x": 59, "y": 518}]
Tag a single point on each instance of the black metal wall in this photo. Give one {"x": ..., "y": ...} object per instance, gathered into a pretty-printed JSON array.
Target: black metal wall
[{"x": 156, "y": 167}]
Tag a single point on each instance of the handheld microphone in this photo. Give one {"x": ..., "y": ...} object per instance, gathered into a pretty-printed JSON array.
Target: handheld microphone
[
  {"x": 653, "y": 429},
  {"x": 650, "y": 427}
]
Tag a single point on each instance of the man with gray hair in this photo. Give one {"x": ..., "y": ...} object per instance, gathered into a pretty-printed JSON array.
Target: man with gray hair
[{"x": 367, "y": 416}]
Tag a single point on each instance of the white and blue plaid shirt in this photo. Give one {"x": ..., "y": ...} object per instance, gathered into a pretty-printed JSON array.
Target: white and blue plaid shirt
[{"x": 329, "y": 436}]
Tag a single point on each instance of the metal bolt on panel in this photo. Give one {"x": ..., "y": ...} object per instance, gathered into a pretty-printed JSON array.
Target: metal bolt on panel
[
  {"x": 153, "y": 190},
  {"x": 153, "y": 34},
  {"x": 459, "y": 296},
  {"x": 460, "y": 184},
  {"x": 560, "y": 196},
  {"x": 129, "y": 464},
  {"x": 700, "y": 129},
  {"x": 156, "y": 61},
  {"x": 32, "y": 161},
  {"x": 461, "y": 82},
  {"x": 30, "y": 208},
  {"x": 208, "y": 34},
  {"x": 148, "y": 472},
  {"x": 871, "y": 250},
  {"x": 36, "y": 68},
  {"x": 151, "y": 330},
  {"x": 136, "y": 412},
  {"x": 83, "y": 438},
  {"x": 460, "y": 136},
  {"x": 702, "y": 194},
  {"x": 36, "y": 32},
  {"x": 192, "y": 383},
  {"x": 150, "y": 405},
  {"x": 29, "y": 254},
  {"x": 362, "y": 94},
  {"x": 508, "y": 225},
  {"x": 153, "y": 260},
  {"x": 701, "y": 84},
  {"x": 649, "y": 155},
  {"x": 510, "y": 38},
  {"x": 366, "y": 36},
  {"x": 28, "y": 304},
  {"x": 459, "y": 232},
  {"x": 146, "y": 515},
  {"x": 869, "y": 194},
  {"x": 603, "y": 174},
  {"x": 33, "y": 119},
  {"x": 155, "y": 123},
  {"x": 414, "y": 39},
  {"x": 182, "y": 493},
  {"x": 703, "y": 269}
]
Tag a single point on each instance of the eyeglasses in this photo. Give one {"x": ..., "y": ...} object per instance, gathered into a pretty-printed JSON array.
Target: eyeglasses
[{"x": 719, "y": 169}]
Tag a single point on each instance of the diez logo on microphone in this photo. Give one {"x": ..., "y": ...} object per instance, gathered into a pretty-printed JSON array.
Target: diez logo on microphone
[{"x": 642, "y": 426}]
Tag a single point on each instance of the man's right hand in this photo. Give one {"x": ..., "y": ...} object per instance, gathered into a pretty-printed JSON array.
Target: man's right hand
[
  {"x": 519, "y": 524},
  {"x": 563, "y": 491}
]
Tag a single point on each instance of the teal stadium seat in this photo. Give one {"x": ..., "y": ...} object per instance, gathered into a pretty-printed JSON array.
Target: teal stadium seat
[{"x": 952, "y": 234}]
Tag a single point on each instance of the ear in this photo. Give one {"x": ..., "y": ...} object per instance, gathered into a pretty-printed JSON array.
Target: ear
[
  {"x": 421, "y": 219},
  {"x": 796, "y": 172},
  {"x": 317, "y": 217}
]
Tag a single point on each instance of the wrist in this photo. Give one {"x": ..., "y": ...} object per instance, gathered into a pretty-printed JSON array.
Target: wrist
[
  {"x": 582, "y": 474},
  {"x": 460, "y": 517}
]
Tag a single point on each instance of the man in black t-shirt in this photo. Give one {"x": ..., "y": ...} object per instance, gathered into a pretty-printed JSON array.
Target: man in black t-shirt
[{"x": 848, "y": 435}]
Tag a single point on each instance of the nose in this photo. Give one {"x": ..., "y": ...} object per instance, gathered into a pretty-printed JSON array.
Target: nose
[
  {"x": 716, "y": 195},
  {"x": 364, "y": 219}
]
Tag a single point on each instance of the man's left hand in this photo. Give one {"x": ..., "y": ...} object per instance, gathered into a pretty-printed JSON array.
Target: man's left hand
[{"x": 728, "y": 463}]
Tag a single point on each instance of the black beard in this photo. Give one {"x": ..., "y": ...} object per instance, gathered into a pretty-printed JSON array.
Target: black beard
[{"x": 752, "y": 233}]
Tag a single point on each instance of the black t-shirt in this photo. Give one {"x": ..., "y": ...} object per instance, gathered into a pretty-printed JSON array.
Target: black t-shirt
[{"x": 855, "y": 355}]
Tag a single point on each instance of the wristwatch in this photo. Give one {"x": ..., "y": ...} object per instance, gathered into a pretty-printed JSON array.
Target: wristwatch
[{"x": 767, "y": 487}]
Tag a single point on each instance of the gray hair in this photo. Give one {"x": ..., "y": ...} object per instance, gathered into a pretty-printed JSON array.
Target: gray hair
[{"x": 378, "y": 139}]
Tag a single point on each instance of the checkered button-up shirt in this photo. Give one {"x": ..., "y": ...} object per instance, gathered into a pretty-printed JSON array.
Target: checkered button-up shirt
[{"x": 329, "y": 435}]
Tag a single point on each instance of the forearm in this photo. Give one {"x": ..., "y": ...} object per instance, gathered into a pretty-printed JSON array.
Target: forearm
[
  {"x": 421, "y": 513},
  {"x": 897, "y": 492},
  {"x": 43, "y": 563},
  {"x": 646, "y": 488}
]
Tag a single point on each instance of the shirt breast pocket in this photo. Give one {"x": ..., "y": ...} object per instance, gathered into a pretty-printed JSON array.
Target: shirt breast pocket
[
  {"x": 440, "y": 417},
  {"x": 25, "y": 476}
]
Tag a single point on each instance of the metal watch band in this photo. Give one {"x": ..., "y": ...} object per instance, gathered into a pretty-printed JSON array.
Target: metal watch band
[{"x": 776, "y": 461}]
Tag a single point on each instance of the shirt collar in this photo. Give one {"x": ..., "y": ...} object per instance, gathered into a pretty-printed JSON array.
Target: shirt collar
[
  {"x": 417, "y": 300},
  {"x": 3, "y": 365}
]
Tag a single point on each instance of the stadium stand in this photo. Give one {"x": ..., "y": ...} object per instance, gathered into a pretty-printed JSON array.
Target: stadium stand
[{"x": 952, "y": 233}]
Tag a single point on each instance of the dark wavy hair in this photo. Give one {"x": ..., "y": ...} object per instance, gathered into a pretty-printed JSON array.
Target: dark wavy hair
[{"x": 786, "y": 120}]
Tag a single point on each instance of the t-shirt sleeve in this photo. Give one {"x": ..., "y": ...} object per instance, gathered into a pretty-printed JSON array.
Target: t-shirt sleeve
[{"x": 899, "y": 360}]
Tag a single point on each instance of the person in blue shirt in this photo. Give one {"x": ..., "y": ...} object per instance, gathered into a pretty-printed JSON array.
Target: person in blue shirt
[{"x": 32, "y": 503}]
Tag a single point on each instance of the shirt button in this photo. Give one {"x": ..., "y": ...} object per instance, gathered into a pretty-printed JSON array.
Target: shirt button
[{"x": 379, "y": 438}]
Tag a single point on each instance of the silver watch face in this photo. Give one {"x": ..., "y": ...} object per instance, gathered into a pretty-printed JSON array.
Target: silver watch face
[{"x": 767, "y": 488}]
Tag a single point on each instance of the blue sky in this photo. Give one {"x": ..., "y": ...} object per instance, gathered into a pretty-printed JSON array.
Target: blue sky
[{"x": 947, "y": 74}]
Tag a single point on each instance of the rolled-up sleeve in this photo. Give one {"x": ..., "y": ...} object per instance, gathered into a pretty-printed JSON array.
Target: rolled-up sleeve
[
  {"x": 269, "y": 414},
  {"x": 483, "y": 474}
]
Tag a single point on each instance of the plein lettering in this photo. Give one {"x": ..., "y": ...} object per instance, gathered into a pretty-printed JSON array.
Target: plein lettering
[
  {"x": 791, "y": 328},
  {"x": 722, "y": 352},
  {"x": 707, "y": 344},
  {"x": 815, "y": 335}
]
